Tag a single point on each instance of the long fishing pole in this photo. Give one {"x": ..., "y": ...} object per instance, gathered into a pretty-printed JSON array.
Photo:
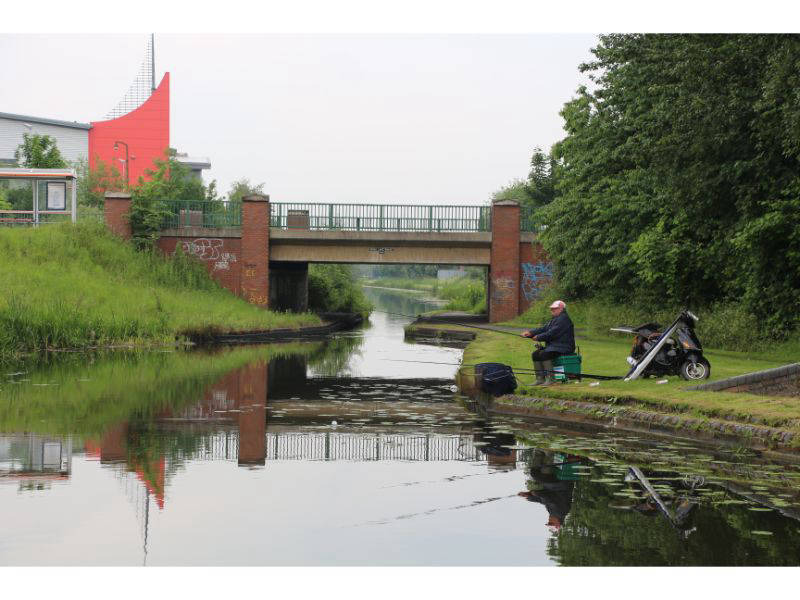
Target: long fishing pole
[
  {"x": 523, "y": 370},
  {"x": 452, "y": 322}
]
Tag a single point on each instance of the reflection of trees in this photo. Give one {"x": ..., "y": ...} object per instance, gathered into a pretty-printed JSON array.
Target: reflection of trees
[
  {"x": 596, "y": 534},
  {"x": 334, "y": 355}
]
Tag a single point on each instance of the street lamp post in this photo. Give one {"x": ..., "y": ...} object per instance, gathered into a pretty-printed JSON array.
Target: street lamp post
[{"x": 127, "y": 163}]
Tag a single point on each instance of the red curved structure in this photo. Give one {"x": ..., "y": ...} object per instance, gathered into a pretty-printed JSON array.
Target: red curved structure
[{"x": 145, "y": 131}]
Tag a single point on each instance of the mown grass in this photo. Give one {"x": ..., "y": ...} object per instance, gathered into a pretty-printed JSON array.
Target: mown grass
[
  {"x": 71, "y": 286},
  {"x": 605, "y": 355}
]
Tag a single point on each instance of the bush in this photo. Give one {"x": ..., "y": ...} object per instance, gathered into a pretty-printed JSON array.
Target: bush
[{"x": 332, "y": 288}]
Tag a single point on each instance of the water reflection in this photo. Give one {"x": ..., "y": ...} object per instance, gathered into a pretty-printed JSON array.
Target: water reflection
[
  {"x": 322, "y": 454},
  {"x": 35, "y": 461}
]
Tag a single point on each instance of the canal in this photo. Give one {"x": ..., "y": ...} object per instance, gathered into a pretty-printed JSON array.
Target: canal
[{"x": 353, "y": 451}]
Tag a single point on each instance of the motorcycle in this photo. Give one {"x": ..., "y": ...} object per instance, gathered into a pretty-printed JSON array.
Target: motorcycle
[{"x": 673, "y": 351}]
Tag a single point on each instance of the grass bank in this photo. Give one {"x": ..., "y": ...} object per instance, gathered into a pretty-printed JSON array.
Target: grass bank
[
  {"x": 605, "y": 355},
  {"x": 462, "y": 293},
  {"x": 71, "y": 286},
  {"x": 723, "y": 326}
]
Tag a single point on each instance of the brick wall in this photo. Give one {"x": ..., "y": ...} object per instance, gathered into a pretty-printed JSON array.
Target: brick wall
[
  {"x": 255, "y": 250},
  {"x": 504, "y": 266},
  {"x": 220, "y": 255},
  {"x": 117, "y": 205}
]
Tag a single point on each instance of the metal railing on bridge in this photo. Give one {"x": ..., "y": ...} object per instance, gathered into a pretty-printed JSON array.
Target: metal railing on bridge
[
  {"x": 343, "y": 217},
  {"x": 380, "y": 217},
  {"x": 201, "y": 213}
]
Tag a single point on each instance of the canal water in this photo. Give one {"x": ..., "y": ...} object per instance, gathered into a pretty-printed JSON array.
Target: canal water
[{"x": 353, "y": 451}]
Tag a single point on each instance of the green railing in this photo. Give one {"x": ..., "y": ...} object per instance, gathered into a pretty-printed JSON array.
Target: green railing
[
  {"x": 529, "y": 220},
  {"x": 344, "y": 217},
  {"x": 202, "y": 213},
  {"x": 380, "y": 217}
]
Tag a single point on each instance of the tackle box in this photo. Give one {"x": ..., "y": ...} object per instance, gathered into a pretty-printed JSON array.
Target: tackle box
[{"x": 566, "y": 365}]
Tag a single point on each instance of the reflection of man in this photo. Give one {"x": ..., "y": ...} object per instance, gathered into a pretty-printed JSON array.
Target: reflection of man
[{"x": 551, "y": 484}]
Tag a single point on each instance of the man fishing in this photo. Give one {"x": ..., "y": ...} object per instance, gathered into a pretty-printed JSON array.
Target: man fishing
[{"x": 559, "y": 338}]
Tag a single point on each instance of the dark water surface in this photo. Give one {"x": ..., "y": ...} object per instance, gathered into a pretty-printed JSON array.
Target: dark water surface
[{"x": 336, "y": 453}]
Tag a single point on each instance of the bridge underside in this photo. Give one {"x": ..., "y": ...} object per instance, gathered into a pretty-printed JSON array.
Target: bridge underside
[{"x": 381, "y": 247}]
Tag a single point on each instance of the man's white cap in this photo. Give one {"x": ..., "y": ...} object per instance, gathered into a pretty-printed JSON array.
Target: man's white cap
[{"x": 558, "y": 304}]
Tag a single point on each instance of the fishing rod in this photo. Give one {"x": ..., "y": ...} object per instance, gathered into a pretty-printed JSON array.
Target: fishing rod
[
  {"x": 522, "y": 370},
  {"x": 452, "y": 322}
]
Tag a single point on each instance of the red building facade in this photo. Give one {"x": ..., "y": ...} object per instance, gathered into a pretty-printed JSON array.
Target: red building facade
[{"x": 145, "y": 130}]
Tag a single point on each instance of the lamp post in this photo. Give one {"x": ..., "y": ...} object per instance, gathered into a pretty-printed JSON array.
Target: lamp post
[{"x": 127, "y": 164}]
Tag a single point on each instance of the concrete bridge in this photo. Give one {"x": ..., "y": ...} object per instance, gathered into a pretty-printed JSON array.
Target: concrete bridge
[{"x": 261, "y": 250}]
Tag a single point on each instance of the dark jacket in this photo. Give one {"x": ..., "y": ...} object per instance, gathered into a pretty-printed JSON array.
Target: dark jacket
[{"x": 558, "y": 334}]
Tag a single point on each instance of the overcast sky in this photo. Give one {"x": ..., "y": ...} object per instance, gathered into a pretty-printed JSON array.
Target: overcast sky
[{"x": 324, "y": 118}]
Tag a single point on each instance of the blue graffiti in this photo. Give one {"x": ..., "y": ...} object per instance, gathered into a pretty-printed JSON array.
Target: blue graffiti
[{"x": 535, "y": 278}]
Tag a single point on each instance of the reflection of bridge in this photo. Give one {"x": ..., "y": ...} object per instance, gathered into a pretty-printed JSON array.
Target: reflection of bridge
[{"x": 333, "y": 445}]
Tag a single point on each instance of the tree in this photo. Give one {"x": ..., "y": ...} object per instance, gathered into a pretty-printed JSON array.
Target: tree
[
  {"x": 539, "y": 189},
  {"x": 38, "y": 152},
  {"x": 242, "y": 187},
  {"x": 677, "y": 178},
  {"x": 169, "y": 180},
  {"x": 94, "y": 183}
]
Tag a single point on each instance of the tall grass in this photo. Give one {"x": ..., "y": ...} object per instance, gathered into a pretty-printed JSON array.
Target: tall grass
[
  {"x": 462, "y": 293},
  {"x": 68, "y": 286}
]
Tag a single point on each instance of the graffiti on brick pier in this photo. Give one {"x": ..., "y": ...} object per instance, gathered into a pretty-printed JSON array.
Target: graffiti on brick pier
[
  {"x": 210, "y": 249},
  {"x": 502, "y": 289},
  {"x": 535, "y": 278}
]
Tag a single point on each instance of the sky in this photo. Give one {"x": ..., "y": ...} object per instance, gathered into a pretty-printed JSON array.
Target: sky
[{"x": 367, "y": 118}]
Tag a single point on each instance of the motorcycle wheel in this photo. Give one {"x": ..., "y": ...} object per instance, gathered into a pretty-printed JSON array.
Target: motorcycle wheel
[{"x": 695, "y": 371}]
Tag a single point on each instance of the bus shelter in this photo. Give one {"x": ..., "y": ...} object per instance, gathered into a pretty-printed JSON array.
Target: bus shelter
[{"x": 37, "y": 196}]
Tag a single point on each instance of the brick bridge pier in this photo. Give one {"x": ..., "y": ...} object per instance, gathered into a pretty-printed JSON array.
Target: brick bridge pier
[{"x": 260, "y": 251}]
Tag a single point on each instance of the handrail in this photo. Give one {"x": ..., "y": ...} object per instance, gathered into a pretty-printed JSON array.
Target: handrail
[
  {"x": 442, "y": 218},
  {"x": 380, "y": 217}
]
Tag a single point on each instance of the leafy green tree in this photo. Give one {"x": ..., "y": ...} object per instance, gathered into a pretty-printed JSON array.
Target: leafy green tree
[
  {"x": 242, "y": 187},
  {"x": 94, "y": 183},
  {"x": 678, "y": 175},
  {"x": 539, "y": 188},
  {"x": 4, "y": 203},
  {"x": 169, "y": 180},
  {"x": 38, "y": 152}
]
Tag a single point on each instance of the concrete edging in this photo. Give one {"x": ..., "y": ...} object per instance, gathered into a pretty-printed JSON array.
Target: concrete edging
[
  {"x": 748, "y": 378},
  {"x": 758, "y": 437}
]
